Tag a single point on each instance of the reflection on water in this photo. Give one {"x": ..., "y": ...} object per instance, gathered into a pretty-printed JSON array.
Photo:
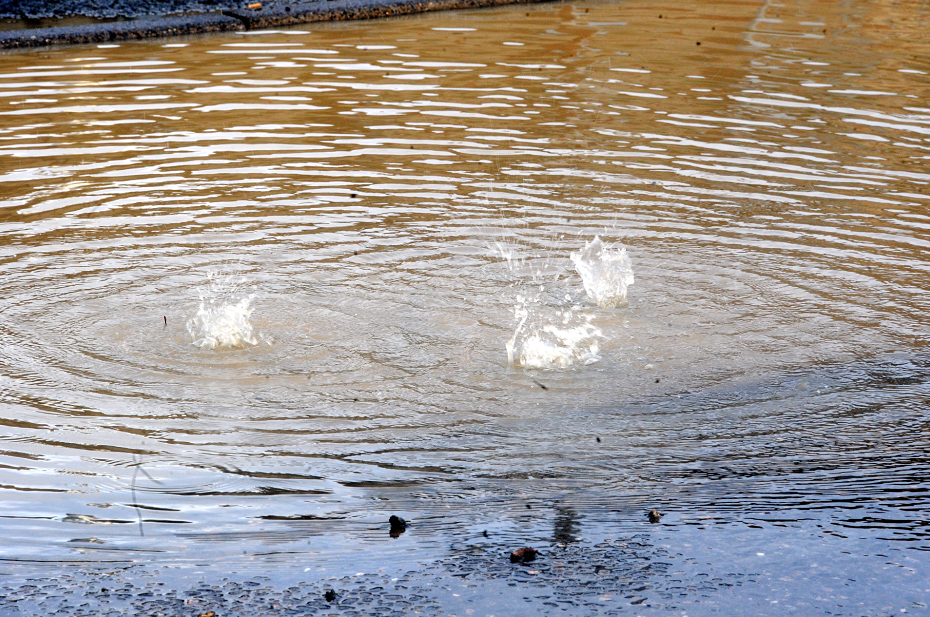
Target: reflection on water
[
  {"x": 566, "y": 526},
  {"x": 400, "y": 218}
]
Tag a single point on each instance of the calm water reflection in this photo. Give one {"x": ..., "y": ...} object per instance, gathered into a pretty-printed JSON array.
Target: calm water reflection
[{"x": 277, "y": 272}]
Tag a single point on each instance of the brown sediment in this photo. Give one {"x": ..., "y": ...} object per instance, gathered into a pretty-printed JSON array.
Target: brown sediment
[{"x": 234, "y": 20}]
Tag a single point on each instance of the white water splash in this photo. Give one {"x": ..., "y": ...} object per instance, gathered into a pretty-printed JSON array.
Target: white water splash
[
  {"x": 605, "y": 272},
  {"x": 548, "y": 337},
  {"x": 223, "y": 319},
  {"x": 553, "y": 347},
  {"x": 521, "y": 314}
]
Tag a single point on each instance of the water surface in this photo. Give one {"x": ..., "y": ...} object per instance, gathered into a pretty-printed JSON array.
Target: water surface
[{"x": 258, "y": 292}]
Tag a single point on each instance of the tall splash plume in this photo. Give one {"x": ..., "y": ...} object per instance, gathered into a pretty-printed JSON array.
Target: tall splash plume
[
  {"x": 605, "y": 272},
  {"x": 222, "y": 321}
]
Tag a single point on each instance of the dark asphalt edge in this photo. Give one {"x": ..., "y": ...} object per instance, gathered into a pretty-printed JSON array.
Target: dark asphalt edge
[
  {"x": 119, "y": 31},
  {"x": 235, "y": 21}
]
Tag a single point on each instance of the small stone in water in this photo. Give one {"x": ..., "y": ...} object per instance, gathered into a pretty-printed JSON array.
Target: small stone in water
[
  {"x": 398, "y": 525},
  {"x": 654, "y": 516},
  {"x": 523, "y": 555}
]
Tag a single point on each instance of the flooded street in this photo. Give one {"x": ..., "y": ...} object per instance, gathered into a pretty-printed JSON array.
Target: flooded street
[{"x": 517, "y": 274}]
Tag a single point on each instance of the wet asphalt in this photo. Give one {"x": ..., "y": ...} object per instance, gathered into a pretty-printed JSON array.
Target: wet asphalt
[
  {"x": 33, "y": 23},
  {"x": 610, "y": 577}
]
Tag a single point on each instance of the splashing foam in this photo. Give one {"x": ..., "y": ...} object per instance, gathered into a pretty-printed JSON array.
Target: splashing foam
[
  {"x": 222, "y": 321},
  {"x": 606, "y": 273},
  {"x": 554, "y": 347},
  {"x": 564, "y": 339},
  {"x": 549, "y": 337}
]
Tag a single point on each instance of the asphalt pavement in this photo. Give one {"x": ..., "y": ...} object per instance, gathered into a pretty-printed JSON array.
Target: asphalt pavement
[{"x": 35, "y": 23}]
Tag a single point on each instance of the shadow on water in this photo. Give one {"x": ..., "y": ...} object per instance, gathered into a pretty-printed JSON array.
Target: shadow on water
[{"x": 565, "y": 526}]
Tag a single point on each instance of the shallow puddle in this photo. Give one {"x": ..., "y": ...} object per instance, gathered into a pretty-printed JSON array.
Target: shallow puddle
[{"x": 530, "y": 270}]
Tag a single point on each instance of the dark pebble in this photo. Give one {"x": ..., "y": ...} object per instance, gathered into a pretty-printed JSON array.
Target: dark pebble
[
  {"x": 398, "y": 525},
  {"x": 523, "y": 555}
]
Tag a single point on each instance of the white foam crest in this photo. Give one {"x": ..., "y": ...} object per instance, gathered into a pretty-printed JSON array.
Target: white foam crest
[
  {"x": 605, "y": 272},
  {"x": 223, "y": 319}
]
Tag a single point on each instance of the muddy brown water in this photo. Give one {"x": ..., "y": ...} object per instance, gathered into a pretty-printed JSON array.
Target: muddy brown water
[{"x": 257, "y": 292}]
